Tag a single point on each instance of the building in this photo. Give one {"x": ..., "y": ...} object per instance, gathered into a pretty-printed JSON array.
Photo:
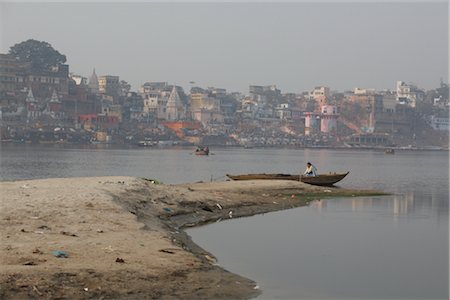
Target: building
[
  {"x": 13, "y": 73},
  {"x": 439, "y": 123},
  {"x": 93, "y": 83},
  {"x": 328, "y": 118},
  {"x": 175, "y": 109},
  {"x": 283, "y": 111},
  {"x": 389, "y": 103},
  {"x": 408, "y": 94},
  {"x": 33, "y": 110},
  {"x": 261, "y": 89},
  {"x": 79, "y": 80},
  {"x": 109, "y": 85},
  {"x": 312, "y": 120},
  {"x": 152, "y": 87},
  {"x": 372, "y": 103},
  {"x": 320, "y": 94},
  {"x": 17, "y": 76},
  {"x": 54, "y": 107}
]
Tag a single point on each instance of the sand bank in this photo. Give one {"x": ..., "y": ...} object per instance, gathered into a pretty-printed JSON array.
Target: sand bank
[{"x": 123, "y": 236}]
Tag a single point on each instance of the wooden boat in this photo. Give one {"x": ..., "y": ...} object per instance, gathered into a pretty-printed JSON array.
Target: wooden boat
[
  {"x": 321, "y": 179},
  {"x": 202, "y": 151},
  {"x": 264, "y": 177}
]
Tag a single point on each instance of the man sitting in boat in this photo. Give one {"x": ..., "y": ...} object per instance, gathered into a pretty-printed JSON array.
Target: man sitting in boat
[{"x": 310, "y": 170}]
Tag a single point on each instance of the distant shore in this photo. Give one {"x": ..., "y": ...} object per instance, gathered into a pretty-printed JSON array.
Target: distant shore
[
  {"x": 246, "y": 148},
  {"x": 122, "y": 237}
]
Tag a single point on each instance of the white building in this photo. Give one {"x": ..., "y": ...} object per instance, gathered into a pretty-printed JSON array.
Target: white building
[
  {"x": 79, "y": 80},
  {"x": 408, "y": 94},
  {"x": 440, "y": 123}
]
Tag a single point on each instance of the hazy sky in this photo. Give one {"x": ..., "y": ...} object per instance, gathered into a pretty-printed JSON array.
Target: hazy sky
[{"x": 294, "y": 45}]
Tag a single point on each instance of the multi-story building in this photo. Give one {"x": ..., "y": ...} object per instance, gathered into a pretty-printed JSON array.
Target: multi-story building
[
  {"x": 44, "y": 83},
  {"x": 439, "y": 123},
  {"x": 79, "y": 80},
  {"x": 320, "y": 94},
  {"x": 17, "y": 76},
  {"x": 408, "y": 94},
  {"x": 12, "y": 73},
  {"x": 109, "y": 85},
  {"x": 328, "y": 118}
]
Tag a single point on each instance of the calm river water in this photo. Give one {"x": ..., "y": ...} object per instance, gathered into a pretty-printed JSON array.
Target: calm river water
[{"x": 362, "y": 248}]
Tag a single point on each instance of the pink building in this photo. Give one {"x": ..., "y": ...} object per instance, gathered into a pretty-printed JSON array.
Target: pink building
[
  {"x": 311, "y": 122},
  {"x": 329, "y": 117}
]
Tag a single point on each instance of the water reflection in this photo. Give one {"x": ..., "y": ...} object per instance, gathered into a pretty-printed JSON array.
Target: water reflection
[
  {"x": 411, "y": 203},
  {"x": 365, "y": 248}
]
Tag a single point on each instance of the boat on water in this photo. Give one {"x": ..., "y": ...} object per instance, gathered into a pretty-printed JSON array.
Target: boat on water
[
  {"x": 324, "y": 179},
  {"x": 321, "y": 179},
  {"x": 389, "y": 151},
  {"x": 146, "y": 143},
  {"x": 202, "y": 151}
]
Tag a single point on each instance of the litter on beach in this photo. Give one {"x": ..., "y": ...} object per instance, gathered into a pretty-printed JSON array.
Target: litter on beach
[{"x": 60, "y": 254}]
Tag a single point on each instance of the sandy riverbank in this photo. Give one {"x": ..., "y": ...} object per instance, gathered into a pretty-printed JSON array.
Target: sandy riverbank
[{"x": 123, "y": 236}]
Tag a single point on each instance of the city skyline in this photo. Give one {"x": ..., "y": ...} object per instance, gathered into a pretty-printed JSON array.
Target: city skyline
[{"x": 295, "y": 46}]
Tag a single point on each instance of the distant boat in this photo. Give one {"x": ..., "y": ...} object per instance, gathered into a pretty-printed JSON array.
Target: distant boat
[
  {"x": 389, "y": 151},
  {"x": 321, "y": 179},
  {"x": 202, "y": 151},
  {"x": 146, "y": 143}
]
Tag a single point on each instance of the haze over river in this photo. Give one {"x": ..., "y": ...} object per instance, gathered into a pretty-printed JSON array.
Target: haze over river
[{"x": 366, "y": 248}]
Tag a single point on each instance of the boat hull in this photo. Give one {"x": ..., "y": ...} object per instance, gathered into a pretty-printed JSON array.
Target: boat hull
[
  {"x": 201, "y": 152},
  {"x": 321, "y": 179}
]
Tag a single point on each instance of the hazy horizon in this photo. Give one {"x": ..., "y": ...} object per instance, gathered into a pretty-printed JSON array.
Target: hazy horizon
[{"x": 295, "y": 46}]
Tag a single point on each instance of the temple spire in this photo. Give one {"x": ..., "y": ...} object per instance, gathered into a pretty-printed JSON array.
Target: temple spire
[
  {"x": 93, "y": 82},
  {"x": 30, "y": 96}
]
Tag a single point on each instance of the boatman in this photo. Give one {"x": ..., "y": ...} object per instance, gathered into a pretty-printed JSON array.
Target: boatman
[{"x": 310, "y": 170}]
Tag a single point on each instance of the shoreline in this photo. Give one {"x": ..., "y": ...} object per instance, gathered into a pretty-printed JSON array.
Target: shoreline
[
  {"x": 182, "y": 146},
  {"x": 126, "y": 234}
]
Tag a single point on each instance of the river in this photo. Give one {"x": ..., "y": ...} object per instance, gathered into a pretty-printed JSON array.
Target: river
[{"x": 365, "y": 248}]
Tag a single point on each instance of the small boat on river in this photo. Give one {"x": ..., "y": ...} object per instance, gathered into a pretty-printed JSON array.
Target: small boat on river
[
  {"x": 321, "y": 179},
  {"x": 202, "y": 151},
  {"x": 146, "y": 143},
  {"x": 389, "y": 151}
]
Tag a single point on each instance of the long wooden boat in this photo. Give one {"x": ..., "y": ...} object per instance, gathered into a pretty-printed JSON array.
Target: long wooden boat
[
  {"x": 321, "y": 179},
  {"x": 324, "y": 179}
]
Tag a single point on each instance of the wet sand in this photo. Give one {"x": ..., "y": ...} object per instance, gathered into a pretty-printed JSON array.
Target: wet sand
[{"x": 123, "y": 236}]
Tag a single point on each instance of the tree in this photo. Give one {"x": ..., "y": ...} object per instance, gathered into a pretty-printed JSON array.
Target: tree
[
  {"x": 124, "y": 87},
  {"x": 40, "y": 54}
]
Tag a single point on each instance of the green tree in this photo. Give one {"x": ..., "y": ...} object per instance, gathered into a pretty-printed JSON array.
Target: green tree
[
  {"x": 40, "y": 54},
  {"x": 125, "y": 87}
]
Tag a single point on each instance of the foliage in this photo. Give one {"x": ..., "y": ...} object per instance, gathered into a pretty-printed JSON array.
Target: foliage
[
  {"x": 40, "y": 54},
  {"x": 124, "y": 87}
]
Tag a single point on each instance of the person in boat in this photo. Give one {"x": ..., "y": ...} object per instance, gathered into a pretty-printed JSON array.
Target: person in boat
[{"x": 310, "y": 170}]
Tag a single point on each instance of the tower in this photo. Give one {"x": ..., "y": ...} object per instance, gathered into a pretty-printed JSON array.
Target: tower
[
  {"x": 328, "y": 120},
  {"x": 93, "y": 83},
  {"x": 32, "y": 106},
  {"x": 54, "y": 105},
  {"x": 174, "y": 106}
]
